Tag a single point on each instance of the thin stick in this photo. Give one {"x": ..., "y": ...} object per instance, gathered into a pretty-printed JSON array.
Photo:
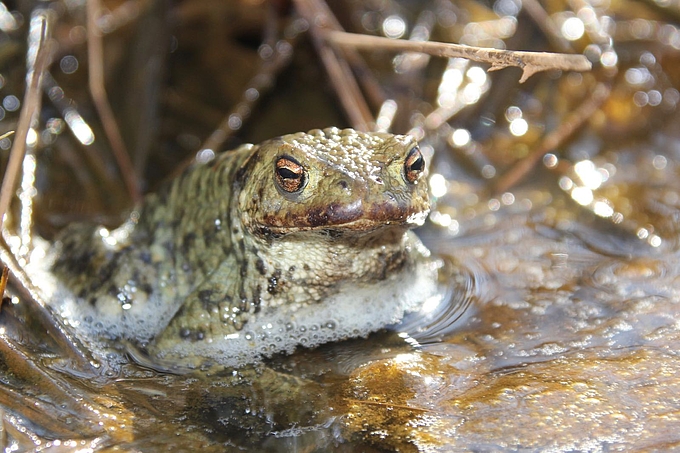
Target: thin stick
[
  {"x": 551, "y": 141},
  {"x": 39, "y": 311},
  {"x": 95, "y": 57},
  {"x": 338, "y": 70},
  {"x": 260, "y": 82},
  {"x": 29, "y": 110},
  {"x": 529, "y": 62},
  {"x": 3, "y": 281},
  {"x": 371, "y": 87},
  {"x": 347, "y": 89},
  {"x": 547, "y": 25}
]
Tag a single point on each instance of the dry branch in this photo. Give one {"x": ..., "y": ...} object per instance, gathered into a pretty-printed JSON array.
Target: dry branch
[
  {"x": 95, "y": 57},
  {"x": 32, "y": 298},
  {"x": 3, "y": 281},
  {"x": 551, "y": 141},
  {"x": 529, "y": 62},
  {"x": 338, "y": 69},
  {"x": 29, "y": 111},
  {"x": 260, "y": 82}
]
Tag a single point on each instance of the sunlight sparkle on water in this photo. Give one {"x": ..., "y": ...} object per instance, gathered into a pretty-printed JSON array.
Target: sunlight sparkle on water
[
  {"x": 441, "y": 219},
  {"x": 638, "y": 76},
  {"x": 488, "y": 171},
  {"x": 430, "y": 304},
  {"x": 519, "y": 127},
  {"x": 477, "y": 75},
  {"x": 609, "y": 58},
  {"x": 451, "y": 80},
  {"x": 405, "y": 358},
  {"x": 31, "y": 138},
  {"x": 590, "y": 176},
  {"x": 80, "y": 128},
  {"x": 582, "y": 195},
  {"x": 573, "y": 28},
  {"x": 508, "y": 198},
  {"x": 438, "y": 185},
  {"x": 550, "y": 160},
  {"x": 603, "y": 209},
  {"x": 460, "y": 137},
  {"x": 205, "y": 155},
  {"x": 394, "y": 27},
  {"x": 386, "y": 115}
]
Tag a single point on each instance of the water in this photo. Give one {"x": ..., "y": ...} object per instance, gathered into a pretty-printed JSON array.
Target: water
[{"x": 541, "y": 343}]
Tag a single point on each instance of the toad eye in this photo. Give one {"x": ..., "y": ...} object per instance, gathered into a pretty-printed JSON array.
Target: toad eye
[
  {"x": 414, "y": 165},
  {"x": 290, "y": 175}
]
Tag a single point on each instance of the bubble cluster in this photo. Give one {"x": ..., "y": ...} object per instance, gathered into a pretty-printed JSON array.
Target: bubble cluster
[{"x": 355, "y": 311}]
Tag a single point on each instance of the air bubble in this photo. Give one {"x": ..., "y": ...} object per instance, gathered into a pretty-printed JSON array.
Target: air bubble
[{"x": 353, "y": 311}]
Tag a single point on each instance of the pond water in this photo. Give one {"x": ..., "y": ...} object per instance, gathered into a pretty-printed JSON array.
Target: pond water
[
  {"x": 555, "y": 337},
  {"x": 559, "y": 328}
]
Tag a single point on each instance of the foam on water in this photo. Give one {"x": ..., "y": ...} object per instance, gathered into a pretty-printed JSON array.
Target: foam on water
[
  {"x": 355, "y": 311},
  {"x": 106, "y": 320}
]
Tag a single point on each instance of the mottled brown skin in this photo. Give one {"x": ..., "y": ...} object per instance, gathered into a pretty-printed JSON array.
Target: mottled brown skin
[{"x": 228, "y": 238}]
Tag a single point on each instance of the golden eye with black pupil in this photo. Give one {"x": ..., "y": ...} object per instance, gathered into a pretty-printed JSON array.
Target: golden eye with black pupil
[
  {"x": 290, "y": 175},
  {"x": 414, "y": 165}
]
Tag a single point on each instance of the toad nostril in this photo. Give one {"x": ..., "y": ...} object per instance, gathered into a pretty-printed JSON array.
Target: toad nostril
[{"x": 343, "y": 184}]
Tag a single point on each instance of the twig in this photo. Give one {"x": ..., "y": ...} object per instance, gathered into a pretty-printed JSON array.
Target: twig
[
  {"x": 91, "y": 154},
  {"x": 38, "y": 311},
  {"x": 262, "y": 80},
  {"x": 547, "y": 25},
  {"x": 371, "y": 87},
  {"x": 29, "y": 111},
  {"x": 529, "y": 62},
  {"x": 3, "y": 281},
  {"x": 95, "y": 57},
  {"x": 338, "y": 70},
  {"x": 259, "y": 83},
  {"x": 554, "y": 138}
]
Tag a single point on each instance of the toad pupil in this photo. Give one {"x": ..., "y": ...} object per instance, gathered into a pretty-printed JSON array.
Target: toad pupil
[
  {"x": 290, "y": 174},
  {"x": 414, "y": 165}
]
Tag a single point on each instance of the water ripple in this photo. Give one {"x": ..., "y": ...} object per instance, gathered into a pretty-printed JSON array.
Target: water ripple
[{"x": 467, "y": 285}]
